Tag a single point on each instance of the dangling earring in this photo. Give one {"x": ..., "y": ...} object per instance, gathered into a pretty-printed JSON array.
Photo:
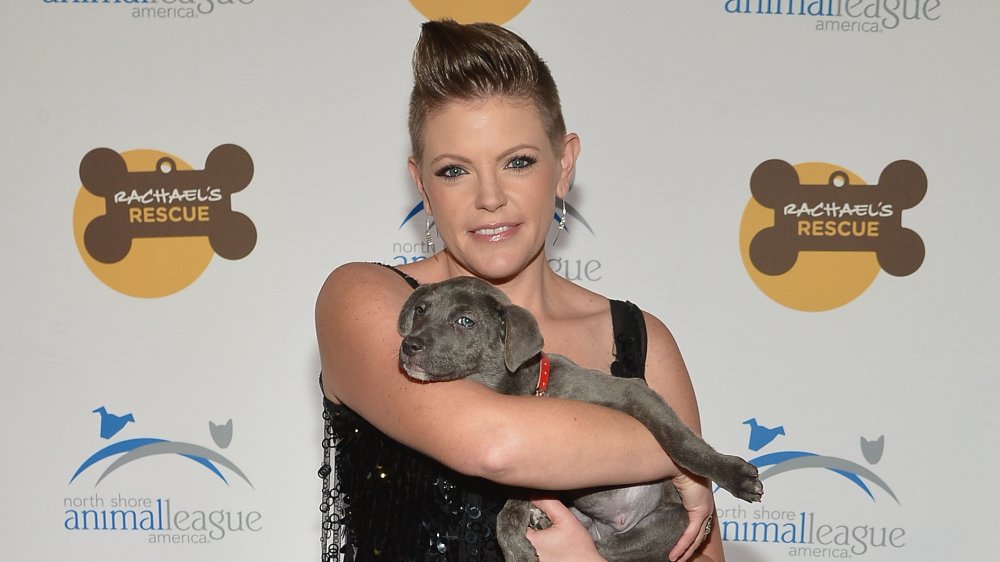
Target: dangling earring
[
  {"x": 427, "y": 236},
  {"x": 562, "y": 223}
]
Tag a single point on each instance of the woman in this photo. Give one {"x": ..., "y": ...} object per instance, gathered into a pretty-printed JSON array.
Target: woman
[{"x": 422, "y": 469}]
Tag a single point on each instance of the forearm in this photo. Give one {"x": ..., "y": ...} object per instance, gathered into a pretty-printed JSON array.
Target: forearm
[
  {"x": 577, "y": 445},
  {"x": 541, "y": 443}
]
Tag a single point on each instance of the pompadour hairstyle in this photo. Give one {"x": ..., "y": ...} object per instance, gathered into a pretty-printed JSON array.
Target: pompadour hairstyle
[{"x": 467, "y": 62}]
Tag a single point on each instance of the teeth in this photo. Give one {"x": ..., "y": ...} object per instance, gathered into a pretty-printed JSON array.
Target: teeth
[{"x": 492, "y": 231}]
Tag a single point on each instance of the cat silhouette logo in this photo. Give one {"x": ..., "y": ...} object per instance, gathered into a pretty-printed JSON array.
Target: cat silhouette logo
[
  {"x": 147, "y": 224},
  {"x": 137, "y": 448},
  {"x": 814, "y": 236}
]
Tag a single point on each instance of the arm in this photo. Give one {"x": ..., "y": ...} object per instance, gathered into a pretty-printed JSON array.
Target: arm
[
  {"x": 463, "y": 424},
  {"x": 668, "y": 376}
]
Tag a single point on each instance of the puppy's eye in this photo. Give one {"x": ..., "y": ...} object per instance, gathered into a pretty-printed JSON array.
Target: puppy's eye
[
  {"x": 465, "y": 322},
  {"x": 419, "y": 310}
]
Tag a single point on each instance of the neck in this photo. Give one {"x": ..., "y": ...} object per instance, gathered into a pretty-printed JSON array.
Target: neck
[{"x": 531, "y": 287}]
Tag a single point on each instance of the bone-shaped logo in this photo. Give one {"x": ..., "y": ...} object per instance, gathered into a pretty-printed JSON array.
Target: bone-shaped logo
[
  {"x": 838, "y": 217},
  {"x": 167, "y": 202}
]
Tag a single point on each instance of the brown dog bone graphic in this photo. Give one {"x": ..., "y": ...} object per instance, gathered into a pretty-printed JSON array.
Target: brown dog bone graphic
[
  {"x": 837, "y": 216},
  {"x": 167, "y": 202}
]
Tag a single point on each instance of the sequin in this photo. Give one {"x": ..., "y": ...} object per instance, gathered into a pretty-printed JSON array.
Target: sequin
[{"x": 379, "y": 489}]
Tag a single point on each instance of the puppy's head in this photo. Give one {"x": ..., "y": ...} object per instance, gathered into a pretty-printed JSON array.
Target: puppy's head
[{"x": 464, "y": 326}]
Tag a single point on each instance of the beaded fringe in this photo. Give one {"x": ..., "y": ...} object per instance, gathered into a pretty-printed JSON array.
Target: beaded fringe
[{"x": 332, "y": 536}]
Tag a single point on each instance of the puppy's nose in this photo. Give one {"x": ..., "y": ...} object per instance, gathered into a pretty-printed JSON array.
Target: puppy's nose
[{"x": 412, "y": 345}]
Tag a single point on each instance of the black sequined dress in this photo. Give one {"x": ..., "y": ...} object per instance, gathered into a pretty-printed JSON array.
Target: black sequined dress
[{"x": 385, "y": 501}]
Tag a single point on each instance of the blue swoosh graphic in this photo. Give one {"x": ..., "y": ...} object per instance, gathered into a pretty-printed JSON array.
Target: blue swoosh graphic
[
  {"x": 793, "y": 460},
  {"x": 413, "y": 213},
  {"x": 114, "y": 449},
  {"x": 131, "y": 445},
  {"x": 785, "y": 456}
]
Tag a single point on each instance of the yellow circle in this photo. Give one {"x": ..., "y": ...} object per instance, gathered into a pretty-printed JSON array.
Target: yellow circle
[
  {"x": 819, "y": 280},
  {"x": 471, "y": 11},
  {"x": 154, "y": 267}
]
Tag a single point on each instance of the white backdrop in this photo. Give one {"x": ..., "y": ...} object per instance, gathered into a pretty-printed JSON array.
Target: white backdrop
[{"x": 677, "y": 103}]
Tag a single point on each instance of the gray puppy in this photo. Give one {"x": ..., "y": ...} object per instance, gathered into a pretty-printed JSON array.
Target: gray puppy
[{"x": 467, "y": 328}]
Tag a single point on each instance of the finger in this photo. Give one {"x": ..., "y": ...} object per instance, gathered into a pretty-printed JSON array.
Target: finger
[
  {"x": 555, "y": 509},
  {"x": 690, "y": 540}
]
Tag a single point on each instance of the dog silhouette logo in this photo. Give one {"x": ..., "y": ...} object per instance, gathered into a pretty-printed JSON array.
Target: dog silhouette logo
[
  {"x": 760, "y": 436},
  {"x": 111, "y": 424}
]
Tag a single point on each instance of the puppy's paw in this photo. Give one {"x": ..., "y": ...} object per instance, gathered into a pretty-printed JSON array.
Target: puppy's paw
[
  {"x": 512, "y": 522},
  {"x": 538, "y": 520},
  {"x": 741, "y": 480}
]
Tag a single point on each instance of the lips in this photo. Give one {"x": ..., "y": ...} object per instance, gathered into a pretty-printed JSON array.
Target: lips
[{"x": 495, "y": 232}]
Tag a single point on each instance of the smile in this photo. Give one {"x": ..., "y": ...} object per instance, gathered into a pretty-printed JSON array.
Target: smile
[
  {"x": 492, "y": 231},
  {"x": 496, "y": 233}
]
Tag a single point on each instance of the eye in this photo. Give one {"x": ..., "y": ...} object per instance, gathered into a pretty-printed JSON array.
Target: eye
[
  {"x": 450, "y": 171},
  {"x": 521, "y": 162},
  {"x": 465, "y": 322},
  {"x": 419, "y": 310}
]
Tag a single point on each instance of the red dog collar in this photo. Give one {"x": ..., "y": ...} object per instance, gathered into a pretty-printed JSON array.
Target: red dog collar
[{"x": 543, "y": 375}]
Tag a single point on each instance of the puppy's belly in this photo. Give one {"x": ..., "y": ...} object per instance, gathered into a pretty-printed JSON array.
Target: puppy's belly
[{"x": 616, "y": 510}]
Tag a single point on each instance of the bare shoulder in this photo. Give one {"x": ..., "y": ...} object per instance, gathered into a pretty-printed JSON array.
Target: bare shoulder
[
  {"x": 357, "y": 280},
  {"x": 356, "y": 314},
  {"x": 666, "y": 372},
  {"x": 355, "y": 290}
]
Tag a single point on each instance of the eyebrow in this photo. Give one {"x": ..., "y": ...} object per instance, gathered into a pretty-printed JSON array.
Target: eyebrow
[{"x": 505, "y": 154}]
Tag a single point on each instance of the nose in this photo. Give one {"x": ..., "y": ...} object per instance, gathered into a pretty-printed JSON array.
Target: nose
[
  {"x": 491, "y": 195},
  {"x": 412, "y": 346}
]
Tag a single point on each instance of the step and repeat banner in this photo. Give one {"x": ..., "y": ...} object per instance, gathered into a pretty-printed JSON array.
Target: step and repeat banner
[{"x": 803, "y": 190}]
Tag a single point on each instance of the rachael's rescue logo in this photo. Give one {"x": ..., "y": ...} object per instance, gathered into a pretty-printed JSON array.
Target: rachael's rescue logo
[
  {"x": 147, "y": 224},
  {"x": 814, "y": 236}
]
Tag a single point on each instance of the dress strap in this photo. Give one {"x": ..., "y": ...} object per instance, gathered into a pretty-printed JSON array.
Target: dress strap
[
  {"x": 629, "y": 328},
  {"x": 411, "y": 281}
]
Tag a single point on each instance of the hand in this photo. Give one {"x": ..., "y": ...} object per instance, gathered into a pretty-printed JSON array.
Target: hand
[
  {"x": 698, "y": 500},
  {"x": 566, "y": 539}
]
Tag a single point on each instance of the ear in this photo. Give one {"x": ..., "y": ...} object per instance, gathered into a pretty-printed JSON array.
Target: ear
[
  {"x": 567, "y": 164},
  {"x": 414, "y": 168},
  {"x": 522, "y": 338},
  {"x": 405, "y": 322}
]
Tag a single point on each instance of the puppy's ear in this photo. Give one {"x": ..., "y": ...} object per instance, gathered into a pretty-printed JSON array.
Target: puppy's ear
[
  {"x": 522, "y": 338},
  {"x": 405, "y": 322}
]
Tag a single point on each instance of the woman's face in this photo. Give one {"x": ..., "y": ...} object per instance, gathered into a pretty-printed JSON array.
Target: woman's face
[{"x": 489, "y": 175}]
